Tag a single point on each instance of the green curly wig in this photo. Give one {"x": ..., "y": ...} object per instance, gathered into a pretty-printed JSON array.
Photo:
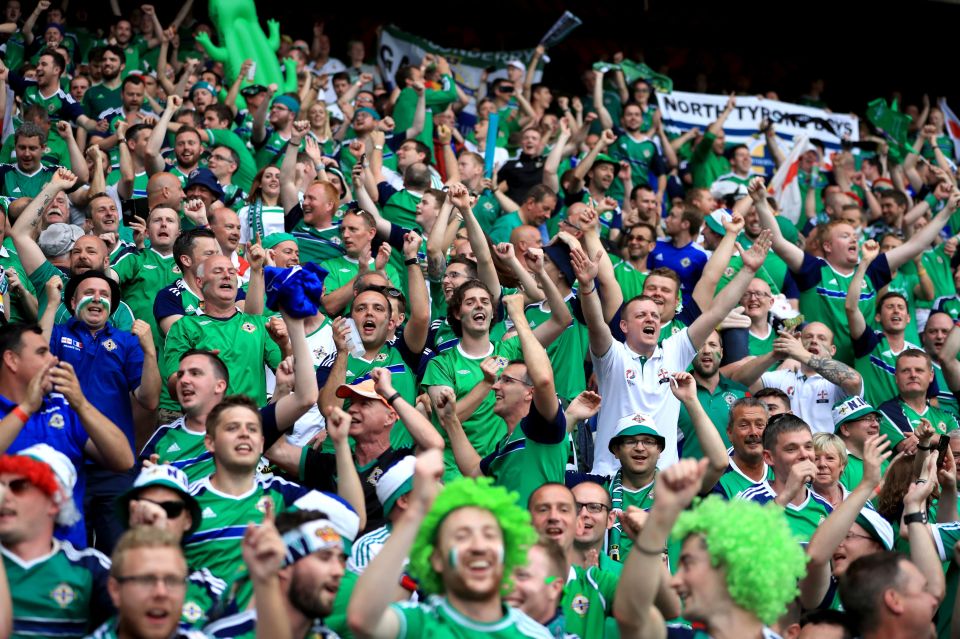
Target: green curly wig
[
  {"x": 763, "y": 560},
  {"x": 518, "y": 534}
]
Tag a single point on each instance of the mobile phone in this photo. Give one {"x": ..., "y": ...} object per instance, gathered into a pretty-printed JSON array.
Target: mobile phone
[
  {"x": 363, "y": 159},
  {"x": 942, "y": 447},
  {"x": 138, "y": 207}
]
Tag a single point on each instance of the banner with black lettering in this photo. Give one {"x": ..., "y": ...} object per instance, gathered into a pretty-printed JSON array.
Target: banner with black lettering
[
  {"x": 683, "y": 111},
  {"x": 397, "y": 48}
]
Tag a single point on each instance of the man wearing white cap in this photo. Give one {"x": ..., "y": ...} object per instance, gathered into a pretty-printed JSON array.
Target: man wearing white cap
[
  {"x": 855, "y": 422},
  {"x": 59, "y": 590},
  {"x": 309, "y": 579}
]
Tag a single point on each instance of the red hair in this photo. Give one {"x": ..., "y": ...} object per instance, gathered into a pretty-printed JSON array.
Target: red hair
[{"x": 36, "y": 472}]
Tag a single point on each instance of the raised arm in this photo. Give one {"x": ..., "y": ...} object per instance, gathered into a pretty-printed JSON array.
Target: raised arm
[
  {"x": 601, "y": 339},
  {"x": 369, "y": 614},
  {"x": 486, "y": 271},
  {"x": 552, "y": 164},
  {"x": 26, "y": 225},
  {"x": 539, "y": 369},
  {"x": 922, "y": 239},
  {"x": 858, "y": 325},
  {"x": 730, "y": 295},
  {"x": 439, "y": 241},
  {"x": 832, "y": 531},
  {"x": 612, "y": 297},
  {"x": 293, "y": 406},
  {"x": 788, "y": 252},
  {"x": 289, "y": 194},
  {"x": 418, "y": 318},
  {"x": 633, "y": 605},
  {"x": 423, "y": 432},
  {"x": 834, "y": 371},
  {"x": 419, "y": 112},
  {"x": 718, "y": 262},
  {"x": 153, "y": 161},
  {"x": 260, "y": 117},
  {"x": 684, "y": 388},
  {"x": 234, "y": 91},
  {"x": 349, "y": 486},
  {"x": 560, "y": 316},
  {"x": 338, "y": 370},
  {"x": 466, "y": 456},
  {"x": 923, "y": 552},
  {"x": 605, "y": 120}
]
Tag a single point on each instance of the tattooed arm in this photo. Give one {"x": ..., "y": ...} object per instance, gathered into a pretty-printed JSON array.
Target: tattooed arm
[
  {"x": 26, "y": 228},
  {"x": 830, "y": 369}
]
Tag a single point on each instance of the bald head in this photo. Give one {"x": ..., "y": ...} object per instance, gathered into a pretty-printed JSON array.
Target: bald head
[
  {"x": 88, "y": 252},
  {"x": 164, "y": 189}
]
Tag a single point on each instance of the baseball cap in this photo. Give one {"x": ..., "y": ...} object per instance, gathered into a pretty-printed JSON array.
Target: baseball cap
[
  {"x": 516, "y": 64},
  {"x": 252, "y": 90},
  {"x": 361, "y": 389},
  {"x": 876, "y": 526},
  {"x": 165, "y": 476},
  {"x": 206, "y": 86},
  {"x": 273, "y": 239},
  {"x": 395, "y": 483},
  {"x": 205, "y": 178},
  {"x": 58, "y": 238},
  {"x": 716, "y": 219},
  {"x": 851, "y": 409},
  {"x": 635, "y": 424}
]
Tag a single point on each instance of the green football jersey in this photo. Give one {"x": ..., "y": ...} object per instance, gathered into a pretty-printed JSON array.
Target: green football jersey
[
  {"x": 942, "y": 421},
  {"x": 99, "y": 98},
  {"x": 773, "y": 271},
  {"x": 877, "y": 367},
  {"x": 344, "y": 268},
  {"x": 853, "y": 472},
  {"x": 946, "y": 536},
  {"x": 639, "y": 153},
  {"x": 17, "y": 184},
  {"x": 566, "y": 352},
  {"x": 272, "y": 149},
  {"x": 734, "y": 481},
  {"x": 487, "y": 210},
  {"x": 523, "y": 465},
  {"x": 630, "y": 279},
  {"x": 619, "y": 544},
  {"x": 10, "y": 261},
  {"x": 438, "y": 619},
  {"x": 945, "y": 398},
  {"x": 717, "y": 404},
  {"x": 62, "y": 594},
  {"x": 358, "y": 370},
  {"x": 110, "y": 630},
  {"x": 247, "y": 169},
  {"x": 803, "y": 519},
  {"x": 318, "y": 245},
  {"x": 503, "y": 227},
  {"x": 937, "y": 265},
  {"x": 462, "y": 373},
  {"x": 122, "y": 317},
  {"x": 758, "y": 346},
  {"x": 215, "y": 545},
  {"x": 401, "y": 209},
  {"x": 179, "y": 446},
  {"x": 244, "y": 345},
  {"x": 588, "y": 601},
  {"x": 142, "y": 276}
]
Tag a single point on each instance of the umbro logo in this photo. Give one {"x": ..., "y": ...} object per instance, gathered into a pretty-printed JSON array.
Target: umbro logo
[{"x": 149, "y": 267}]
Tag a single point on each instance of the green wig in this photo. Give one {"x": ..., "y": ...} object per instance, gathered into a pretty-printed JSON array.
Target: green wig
[
  {"x": 514, "y": 521},
  {"x": 753, "y": 543}
]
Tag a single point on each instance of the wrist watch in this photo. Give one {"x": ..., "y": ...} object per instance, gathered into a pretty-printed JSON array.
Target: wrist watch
[{"x": 915, "y": 518}]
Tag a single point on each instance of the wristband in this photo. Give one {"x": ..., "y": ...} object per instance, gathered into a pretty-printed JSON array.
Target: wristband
[
  {"x": 393, "y": 398},
  {"x": 646, "y": 551},
  {"x": 20, "y": 414},
  {"x": 378, "y": 147},
  {"x": 591, "y": 291},
  {"x": 411, "y": 261},
  {"x": 925, "y": 447},
  {"x": 913, "y": 518}
]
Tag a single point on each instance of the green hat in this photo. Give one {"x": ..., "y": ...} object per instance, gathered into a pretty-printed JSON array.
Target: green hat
[
  {"x": 165, "y": 476},
  {"x": 273, "y": 239},
  {"x": 876, "y": 526},
  {"x": 206, "y": 86},
  {"x": 635, "y": 424},
  {"x": 603, "y": 158},
  {"x": 716, "y": 219},
  {"x": 851, "y": 409},
  {"x": 395, "y": 483}
]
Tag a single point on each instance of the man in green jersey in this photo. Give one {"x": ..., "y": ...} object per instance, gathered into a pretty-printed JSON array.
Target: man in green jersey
[
  {"x": 538, "y": 586},
  {"x": 462, "y": 543},
  {"x": 855, "y": 421},
  {"x": 318, "y": 236},
  {"x": 708, "y": 161},
  {"x": 824, "y": 282},
  {"x": 241, "y": 338},
  {"x": 876, "y": 351},
  {"x": 718, "y": 583},
  {"x": 788, "y": 449},
  {"x": 903, "y": 413},
  {"x": 106, "y": 93},
  {"x": 27, "y": 175},
  {"x": 595, "y": 517},
  {"x": 56, "y": 589},
  {"x": 934, "y": 337},
  {"x": 525, "y": 397},
  {"x": 472, "y": 367},
  {"x": 715, "y": 392},
  {"x": 587, "y": 600},
  {"x": 235, "y": 494},
  {"x": 746, "y": 467}
]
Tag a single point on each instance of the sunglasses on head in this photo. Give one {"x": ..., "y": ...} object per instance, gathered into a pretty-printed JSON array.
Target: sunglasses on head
[{"x": 173, "y": 509}]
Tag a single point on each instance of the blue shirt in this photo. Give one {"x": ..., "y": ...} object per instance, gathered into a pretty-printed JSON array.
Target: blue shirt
[
  {"x": 57, "y": 425},
  {"x": 687, "y": 262},
  {"x": 108, "y": 365}
]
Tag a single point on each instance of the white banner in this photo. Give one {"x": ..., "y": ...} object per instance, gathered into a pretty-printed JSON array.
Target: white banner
[
  {"x": 397, "y": 48},
  {"x": 683, "y": 111}
]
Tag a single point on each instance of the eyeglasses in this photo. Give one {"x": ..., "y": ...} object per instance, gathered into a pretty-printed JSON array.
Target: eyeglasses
[
  {"x": 514, "y": 380},
  {"x": 593, "y": 507},
  {"x": 757, "y": 294},
  {"x": 19, "y": 486},
  {"x": 453, "y": 275},
  {"x": 147, "y": 582},
  {"x": 173, "y": 509},
  {"x": 645, "y": 442},
  {"x": 873, "y": 418},
  {"x": 851, "y": 535},
  {"x": 567, "y": 222},
  {"x": 220, "y": 158}
]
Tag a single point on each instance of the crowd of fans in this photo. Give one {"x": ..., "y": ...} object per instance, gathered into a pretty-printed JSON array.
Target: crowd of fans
[{"x": 605, "y": 389}]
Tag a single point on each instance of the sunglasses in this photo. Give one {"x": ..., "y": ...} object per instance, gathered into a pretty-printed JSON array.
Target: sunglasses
[
  {"x": 19, "y": 486},
  {"x": 173, "y": 509}
]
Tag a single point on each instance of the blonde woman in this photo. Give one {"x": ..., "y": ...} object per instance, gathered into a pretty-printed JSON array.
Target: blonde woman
[
  {"x": 831, "y": 459},
  {"x": 320, "y": 130},
  {"x": 263, "y": 213}
]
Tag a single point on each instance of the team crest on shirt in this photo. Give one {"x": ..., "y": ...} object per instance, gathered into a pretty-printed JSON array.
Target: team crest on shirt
[
  {"x": 192, "y": 611},
  {"x": 375, "y": 476},
  {"x": 728, "y": 272},
  {"x": 729, "y": 398},
  {"x": 382, "y": 357},
  {"x": 629, "y": 374},
  {"x": 790, "y": 391},
  {"x": 502, "y": 362},
  {"x": 319, "y": 353},
  {"x": 262, "y": 504},
  {"x": 248, "y": 327},
  {"x": 56, "y": 420},
  {"x": 110, "y": 345},
  {"x": 580, "y": 605},
  {"x": 63, "y": 594},
  {"x": 685, "y": 262},
  {"x": 175, "y": 269}
]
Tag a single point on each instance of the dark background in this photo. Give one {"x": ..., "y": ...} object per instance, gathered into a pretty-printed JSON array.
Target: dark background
[{"x": 861, "y": 50}]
